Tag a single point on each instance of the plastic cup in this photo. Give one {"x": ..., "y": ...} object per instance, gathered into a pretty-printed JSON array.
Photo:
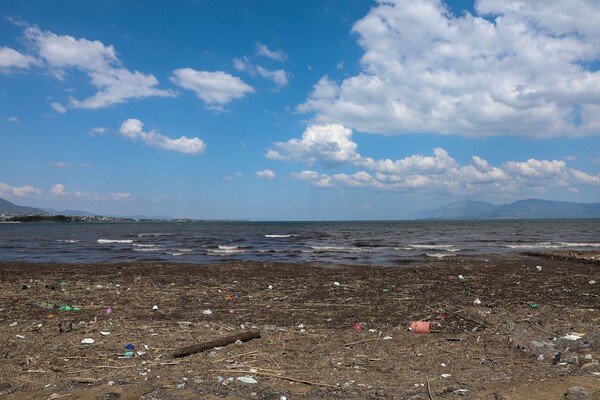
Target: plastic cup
[{"x": 420, "y": 326}]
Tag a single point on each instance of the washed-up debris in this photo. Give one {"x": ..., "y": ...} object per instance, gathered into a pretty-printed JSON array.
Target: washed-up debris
[
  {"x": 88, "y": 341},
  {"x": 207, "y": 312},
  {"x": 538, "y": 267},
  {"x": 104, "y": 333},
  {"x": 477, "y": 302},
  {"x": 224, "y": 341},
  {"x": 247, "y": 379},
  {"x": 420, "y": 326},
  {"x": 154, "y": 307}
]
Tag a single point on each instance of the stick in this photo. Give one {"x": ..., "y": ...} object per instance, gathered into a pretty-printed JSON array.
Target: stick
[
  {"x": 429, "y": 390},
  {"x": 233, "y": 371},
  {"x": 239, "y": 355},
  {"x": 361, "y": 341},
  {"x": 224, "y": 341}
]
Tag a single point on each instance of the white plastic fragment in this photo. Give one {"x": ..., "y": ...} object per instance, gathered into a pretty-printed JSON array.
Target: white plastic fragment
[
  {"x": 21, "y": 336},
  {"x": 103, "y": 333},
  {"x": 592, "y": 282},
  {"x": 270, "y": 287},
  {"x": 207, "y": 312},
  {"x": 445, "y": 375},
  {"x": 154, "y": 307},
  {"x": 336, "y": 283},
  {"x": 14, "y": 323},
  {"x": 477, "y": 302},
  {"x": 247, "y": 379},
  {"x": 571, "y": 336},
  {"x": 538, "y": 267},
  {"x": 88, "y": 341},
  {"x": 461, "y": 278}
]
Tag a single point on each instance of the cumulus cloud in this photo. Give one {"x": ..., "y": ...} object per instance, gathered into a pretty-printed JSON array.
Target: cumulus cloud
[
  {"x": 10, "y": 59},
  {"x": 266, "y": 174},
  {"x": 331, "y": 146},
  {"x": 115, "y": 83},
  {"x": 263, "y": 50},
  {"x": 215, "y": 89},
  {"x": 59, "y": 190},
  {"x": 19, "y": 191},
  {"x": 514, "y": 67},
  {"x": 133, "y": 129},
  {"x": 98, "y": 130}
]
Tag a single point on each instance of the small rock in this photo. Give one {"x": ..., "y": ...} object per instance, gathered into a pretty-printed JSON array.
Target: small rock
[
  {"x": 572, "y": 360},
  {"x": 111, "y": 383},
  {"x": 592, "y": 282},
  {"x": 578, "y": 393},
  {"x": 538, "y": 267}
]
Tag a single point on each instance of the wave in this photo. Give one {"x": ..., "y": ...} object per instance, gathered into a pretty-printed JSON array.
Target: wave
[
  {"x": 154, "y": 234},
  {"x": 225, "y": 250},
  {"x": 278, "y": 236},
  {"x": 146, "y": 245},
  {"x": 344, "y": 249},
  {"x": 439, "y": 255},
  {"x": 432, "y": 246},
  {"x": 105, "y": 241},
  {"x": 149, "y": 249},
  {"x": 67, "y": 241},
  {"x": 551, "y": 245}
]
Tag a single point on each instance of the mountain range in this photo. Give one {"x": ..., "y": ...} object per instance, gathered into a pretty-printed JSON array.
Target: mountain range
[
  {"x": 466, "y": 209},
  {"x": 522, "y": 209}
]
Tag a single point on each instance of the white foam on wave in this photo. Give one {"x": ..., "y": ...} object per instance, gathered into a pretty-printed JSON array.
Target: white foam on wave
[
  {"x": 433, "y": 246},
  {"x": 146, "y": 245},
  {"x": 67, "y": 241},
  {"x": 105, "y": 241},
  {"x": 550, "y": 245},
  {"x": 345, "y": 249},
  {"x": 225, "y": 250},
  {"x": 439, "y": 255},
  {"x": 176, "y": 254},
  {"x": 278, "y": 236},
  {"x": 148, "y": 249}
]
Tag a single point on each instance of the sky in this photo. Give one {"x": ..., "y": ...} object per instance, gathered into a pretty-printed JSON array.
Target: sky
[{"x": 306, "y": 110}]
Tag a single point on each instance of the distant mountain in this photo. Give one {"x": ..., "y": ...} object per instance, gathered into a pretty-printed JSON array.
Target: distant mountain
[
  {"x": 522, "y": 209},
  {"x": 6, "y": 207},
  {"x": 73, "y": 213}
]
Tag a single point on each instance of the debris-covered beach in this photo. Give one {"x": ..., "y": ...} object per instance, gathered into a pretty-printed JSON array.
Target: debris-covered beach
[{"x": 517, "y": 328}]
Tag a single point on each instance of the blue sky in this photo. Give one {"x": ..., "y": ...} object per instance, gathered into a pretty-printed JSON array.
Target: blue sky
[{"x": 297, "y": 110}]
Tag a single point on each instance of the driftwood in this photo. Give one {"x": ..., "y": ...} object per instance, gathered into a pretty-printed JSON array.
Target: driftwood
[{"x": 197, "y": 348}]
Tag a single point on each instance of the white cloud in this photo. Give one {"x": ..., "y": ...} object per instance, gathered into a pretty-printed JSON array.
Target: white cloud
[
  {"x": 59, "y": 108},
  {"x": 58, "y": 190},
  {"x": 133, "y": 129},
  {"x": 115, "y": 84},
  {"x": 266, "y": 174},
  {"x": 19, "y": 191},
  {"x": 331, "y": 146},
  {"x": 522, "y": 68},
  {"x": 214, "y": 88},
  {"x": 10, "y": 58},
  {"x": 263, "y": 50},
  {"x": 59, "y": 164},
  {"x": 280, "y": 77},
  {"x": 13, "y": 119},
  {"x": 99, "y": 130}
]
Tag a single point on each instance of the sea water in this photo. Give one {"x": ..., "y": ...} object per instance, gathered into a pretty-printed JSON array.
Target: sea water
[{"x": 326, "y": 243}]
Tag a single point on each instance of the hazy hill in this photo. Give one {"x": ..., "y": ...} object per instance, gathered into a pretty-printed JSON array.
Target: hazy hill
[
  {"x": 522, "y": 209},
  {"x": 6, "y": 207}
]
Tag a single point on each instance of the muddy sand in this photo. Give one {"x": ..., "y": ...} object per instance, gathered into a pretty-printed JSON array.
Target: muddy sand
[{"x": 513, "y": 328}]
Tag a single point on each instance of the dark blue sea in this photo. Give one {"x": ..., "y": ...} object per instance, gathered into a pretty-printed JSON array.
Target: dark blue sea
[{"x": 326, "y": 243}]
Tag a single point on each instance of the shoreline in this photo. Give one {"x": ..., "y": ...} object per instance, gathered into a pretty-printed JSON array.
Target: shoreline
[{"x": 328, "y": 332}]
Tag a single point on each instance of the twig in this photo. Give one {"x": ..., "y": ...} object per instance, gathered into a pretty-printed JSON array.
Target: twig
[
  {"x": 35, "y": 371},
  {"x": 112, "y": 367},
  {"x": 222, "y": 327},
  {"x": 237, "y": 356},
  {"x": 361, "y": 341},
  {"x": 288, "y": 378},
  {"x": 60, "y": 396},
  {"x": 429, "y": 390}
]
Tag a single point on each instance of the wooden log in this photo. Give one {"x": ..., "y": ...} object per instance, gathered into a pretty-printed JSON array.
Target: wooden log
[{"x": 224, "y": 341}]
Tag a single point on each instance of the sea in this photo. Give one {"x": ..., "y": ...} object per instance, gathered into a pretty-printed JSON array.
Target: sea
[{"x": 384, "y": 243}]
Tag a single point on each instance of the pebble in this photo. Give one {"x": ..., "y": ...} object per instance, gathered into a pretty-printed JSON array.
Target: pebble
[{"x": 578, "y": 393}]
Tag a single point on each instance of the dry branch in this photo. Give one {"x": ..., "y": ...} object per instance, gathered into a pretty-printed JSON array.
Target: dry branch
[{"x": 224, "y": 341}]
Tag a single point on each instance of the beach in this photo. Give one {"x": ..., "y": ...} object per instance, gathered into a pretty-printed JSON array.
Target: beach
[{"x": 519, "y": 327}]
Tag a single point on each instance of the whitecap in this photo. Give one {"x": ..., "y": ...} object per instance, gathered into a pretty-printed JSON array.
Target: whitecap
[
  {"x": 105, "y": 241},
  {"x": 67, "y": 241},
  {"x": 439, "y": 255},
  {"x": 278, "y": 236}
]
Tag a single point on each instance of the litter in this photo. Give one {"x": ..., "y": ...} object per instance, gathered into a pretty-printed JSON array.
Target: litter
[
  {"x": 247, "y": 379},
  {"x": 104, "y": 333},
  {"x": 207, "y": 312},
  {"x": 88, "y": 341},
  {"x": 420, "y": 326},
  {"x": 356, "y": 327},
  {"x": 154, "y": 308},
  {"x": 539, "y": 267},
  {"x": 109, "y": 310},
  {"x": 461, "y": 278},
  {"x": 129, "y": 346},
  {"x": 477, "y": 302}
]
